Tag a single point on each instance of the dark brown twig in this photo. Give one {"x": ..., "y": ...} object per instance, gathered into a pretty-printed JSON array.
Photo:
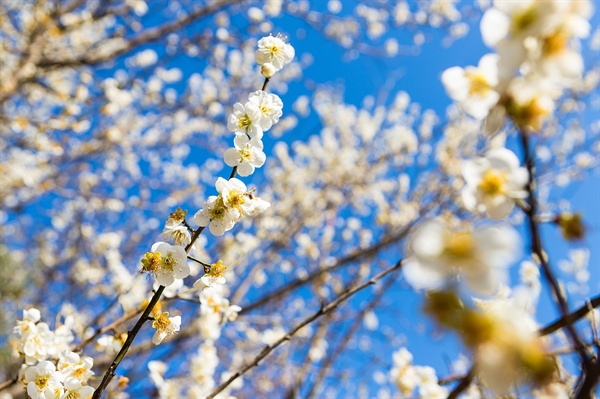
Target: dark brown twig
[{"x": 322, "y": 311}]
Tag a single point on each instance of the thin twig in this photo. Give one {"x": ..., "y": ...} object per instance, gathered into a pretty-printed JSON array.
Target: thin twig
[
  {"x": 571, "y": 318},
  {"x": 110, "y": 373},
  {"x": 322, "y": 311},
  {"x": 538, "y": 250},
  {"x": 463, "y": 384}
]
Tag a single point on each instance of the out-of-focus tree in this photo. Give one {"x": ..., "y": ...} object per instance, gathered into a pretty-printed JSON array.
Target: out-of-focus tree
[{"x": 305, "y": 275}]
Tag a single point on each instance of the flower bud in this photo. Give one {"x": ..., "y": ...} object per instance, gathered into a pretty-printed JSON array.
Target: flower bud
[
  {"x": 268, "y": 70},
  {"x": 571, "y": 226}
]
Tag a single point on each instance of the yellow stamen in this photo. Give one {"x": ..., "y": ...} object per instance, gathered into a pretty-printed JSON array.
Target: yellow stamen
[{"x": 493, "y": 182}]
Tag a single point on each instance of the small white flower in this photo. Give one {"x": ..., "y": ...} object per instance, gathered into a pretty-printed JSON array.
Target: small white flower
[
  {"x": 38, "y": 343},
  {"x": 179, "y": 235},
  {"x": 247, "y": 155},
  {"x": 215, "y": 275},
  {"x": 216, "y": 215},
  {"x": 166, "y": 262},
  {"x": 493, "y": 183},
  {"x": 531, "y": 102},
  {"x": 75, "y": 390},
  {"x": 270, "y": 107},
  {"x": 403, "y": 374},
  {"x": 233, "y": 192},
  {"x": 43, "y": 381},
  {"x": 274, "y": 51},
  {"x": 70, "y": 364},
  {"x": 165, "y": 326},
  {"x": 473, "y": 87},
  {"x": 481, "y": 256},
  {"x": 231, "y": 312},
  {"x": 246, "y": 119},
  {"x": 256, "y": 206}
]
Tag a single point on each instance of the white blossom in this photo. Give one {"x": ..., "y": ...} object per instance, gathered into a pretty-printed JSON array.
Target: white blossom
[
  {"x": 493, "y": 183},
  {"x": 270, "y": 107},
  {"x": 246, "y": 119},
  {"x": 480, "y": 255},
  {"x": 165, "y": 326},
  {"x": 247, "y": 155},
  {"x": 166, "y": 262},
  {"x": 43, "y": 381},
  {"x": 473, "y": 87},
  {"x": 71, "y": 364},
  {"x": 74, "y": 389},
  {"x": 215, "y": 275},
  {"x": 273, "y": 50},
  {"x": 216, "y": 215}
]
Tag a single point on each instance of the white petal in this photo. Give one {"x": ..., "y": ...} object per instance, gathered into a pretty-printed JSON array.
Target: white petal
[
  {"x": 429, "y": 240},
  {"x": 469, "y": 199},
  {"x": 455, "y": 83},
  {"x": 232, "y": 157},
  {"x": 473, "y": 170},
  {"x": 240, "y": 141},
  {"x": 259, "y": 159},
  {"x": 245, "y": 169},
  {"x": 494, "y": 27},
  {"x": 217, "y": 227},
  {"x": 503, "y": 159},
  {"x": 501, "y": 208},
  {"x": 422, "y": 277},
  {"x": 221, "y": 184},
  {"x": 165, "y": 279}
]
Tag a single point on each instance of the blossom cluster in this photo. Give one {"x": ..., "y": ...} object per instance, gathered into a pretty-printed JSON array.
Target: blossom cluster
[
  {"x": 234, "y": 201},
  {"x": 52, "y": 371},
  {"x": 409, "y": 377},
  {"x": 536, "y": 59}
]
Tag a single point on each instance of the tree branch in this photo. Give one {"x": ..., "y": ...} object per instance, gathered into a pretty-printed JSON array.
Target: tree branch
[
  {"x": 324, "y": 310},
  {"x": 538, "y": 249},
  {"x": 570, "y": 318}
]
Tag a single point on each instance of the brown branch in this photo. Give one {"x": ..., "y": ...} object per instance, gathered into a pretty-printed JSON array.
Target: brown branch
[
  {"x": 148, "y": 36},
  {"x": 9, "y": 383},
  {"x": 110, "y": 373},
  {"x": 324, "y": 310},
  {"x": 538, "y": 249},
  {"x": 463, "y": 384},
  {"x": 570, "y": 318},
  {"x": 330, "y": 360},
  {"x": 299, "y": 282}
]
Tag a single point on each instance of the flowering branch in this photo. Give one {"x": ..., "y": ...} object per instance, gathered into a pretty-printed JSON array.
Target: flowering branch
[
  {"x": 110, "y": 373},
  {"x": 322, "y": 311}
]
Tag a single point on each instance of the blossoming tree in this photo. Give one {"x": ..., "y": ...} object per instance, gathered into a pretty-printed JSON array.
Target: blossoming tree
[{"x": 189, "y": 212}]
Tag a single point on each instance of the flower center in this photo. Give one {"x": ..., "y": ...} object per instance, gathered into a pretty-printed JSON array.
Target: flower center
[
  {"x": 245, "y": 121},
  {"x": 72, "y": 395},
  {"x": 273, "y": 50},
  {"x": 460, "y": 245},
  {"x": 169, "y": 263},
  {"x": 492, "y": 182},
  {"x": 235, "y": 199},
  {"x": 41, "y": 382},
  {"x": 245, "y": 154},
  {"x": 478, "y": 83},
  {"x": 151, "y": 262},
  {"x": 161, "y": 322},
  {"x": 523, "y": 21},
  {"x": 218, "y": 211},
  {"x": 217, "y": 269},
  {"x": 555, "y": 44}
]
